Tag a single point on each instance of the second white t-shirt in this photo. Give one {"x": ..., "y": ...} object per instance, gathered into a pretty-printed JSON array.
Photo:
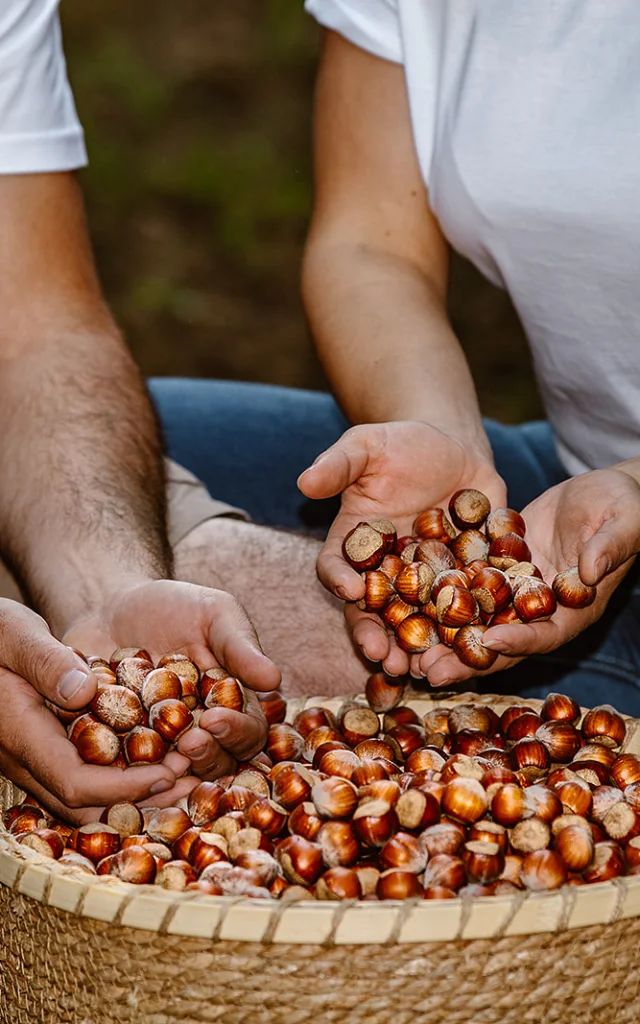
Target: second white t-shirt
[{"x": 526, "y": 119}]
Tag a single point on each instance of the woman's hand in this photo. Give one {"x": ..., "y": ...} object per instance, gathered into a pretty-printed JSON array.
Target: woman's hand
[
  {"x": 211, "y": 628},
  {"x": 592, "y": 521},
  {"x": 394, "y": 471}
]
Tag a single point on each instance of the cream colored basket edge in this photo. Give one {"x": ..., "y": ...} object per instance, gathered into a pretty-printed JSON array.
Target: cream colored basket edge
[{"x": 325, "y": 923}]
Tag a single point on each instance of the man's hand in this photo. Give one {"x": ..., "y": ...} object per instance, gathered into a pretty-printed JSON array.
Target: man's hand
[
  {"x": 34, "y": 750},
  {"x": 394, "y": 471},
  {"x": 212, "y": 629},
  {"x": 592, "y": 521}
]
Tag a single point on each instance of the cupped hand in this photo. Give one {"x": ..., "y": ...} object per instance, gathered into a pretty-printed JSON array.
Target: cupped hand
[
  {"x": 393, "y": 471},
  {"x": 210, "y": 627},
  {"x": 34, "y": 750},
  {"x": 591, "y": 521}
]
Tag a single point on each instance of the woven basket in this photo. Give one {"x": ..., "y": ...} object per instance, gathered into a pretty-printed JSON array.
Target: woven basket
[{"x": 76, "y": 949}]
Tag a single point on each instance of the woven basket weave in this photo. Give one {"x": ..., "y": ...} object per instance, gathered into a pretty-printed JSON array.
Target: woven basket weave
[{"x": 75, "y": 949}]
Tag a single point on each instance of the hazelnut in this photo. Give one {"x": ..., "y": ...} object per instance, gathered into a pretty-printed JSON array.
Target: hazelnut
[
  {"x": 223, "y": 693},
  {"x": 273, "y": 705},
  {"x": 143, "y": 746},
  {"x": 181, "y": 665},
  {"x": 607, "y": 863},
  {"x": 625, "y": 770},
  {"x": 341, "y": 763},
  {"x": 416, "y": 809},
  {"x": 203, "y": 802},
  {"x": 604, "y": 725},
  {"x": 45, "y": 841},
  {"x": 97, "y": 743},
  {"x": 334, "y": 798},
  {"x": 339, "y": 883},
  {"x": 378, "y": 591},
  {"x": 207, "y": 849},
  {"x": 464, "y": 800},
  {"x": 530, "y": 758},
  {"x": 484, "y": 861},
  {"x": 531, "y": 834},
  {"x": 433, "y": 524},
  {"x": 571, "y": 592},
  {"x": 470, "y": 546},
  {"x": 175, "y": 875},
  {"x": 398, "y": 885},
  {"x": 455, "y": 606},
  {"x": 383, "y": 693},
  {"x": 364, "y": 547},
  {"x": 485, "y": 831},
  {"x": 508, "y": 806},
  {"x": 284, "y": 743},
  {"x": 468, "y": 647},
  {"x": 291, "y": 786},
  {"x": 543, "y": 870},
  {"x": 469, "y": 507},
  {"x": 473, "y": 716},
  {"x": 416, "y": 634},
  {"x": 166, "y": 824},
  {"x": 559, "y": 707},
  {"x": 445, "y": 837},
  {"x": 504, "y": 520},
  {"x": 125, "y": 817},
  {"x": 170, "y": 719},
  {"x": 96, "y": 841},
  {"x": 533, "y": 599},
  {"x": 300, "y": 860},
  {"x": 435, "y": 555},
  {"x": 133, "y": 864},
  {"x": 413, "y": 583},
  {"x": 524, "y": 725},
  {"x": 491, "y": 590},
  {"x": 305, "y": 821},
  {"x": 507, "y": 549},
  {"x": 575, "y": 846},
  {"x": 339, "y": 844},
  {"x": 561, "y": 738},
  {"x": 575, "y": 797},
  {"x": 181, "y": 848},
  {"x": 132, "y": 672},
  {"x": 374, "y": 822},
  {"x": 396, "y": 612}
]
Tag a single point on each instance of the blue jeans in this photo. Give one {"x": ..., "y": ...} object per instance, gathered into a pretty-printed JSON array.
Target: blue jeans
[{"x": 248, "y": 443}]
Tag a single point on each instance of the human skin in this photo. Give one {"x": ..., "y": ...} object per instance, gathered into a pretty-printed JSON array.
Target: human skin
[
  {"x": 374, "y": 283},
  {"x": 82, "y": 517}
]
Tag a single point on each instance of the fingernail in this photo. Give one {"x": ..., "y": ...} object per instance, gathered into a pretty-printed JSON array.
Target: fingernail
[
  {"x": 444, "y": 682},
  {"x": 220, "y": 730},
  {"x": 603, "y": 566},
  {"x": 71, "y": 683},
  {"x": 198, "y": 751},
  {"x": 161, "y": 786},
  {"x": 496, "y": 645}
]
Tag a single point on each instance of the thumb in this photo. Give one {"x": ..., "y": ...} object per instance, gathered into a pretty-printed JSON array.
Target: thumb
[
  {"x": 28, "y": 649},
  {"x": 337, "y": 468},
  {"x": 617, "y": 540}
]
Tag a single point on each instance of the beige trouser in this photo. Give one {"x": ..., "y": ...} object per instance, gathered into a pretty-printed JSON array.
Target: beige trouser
[{"x": 189, "y": 504}]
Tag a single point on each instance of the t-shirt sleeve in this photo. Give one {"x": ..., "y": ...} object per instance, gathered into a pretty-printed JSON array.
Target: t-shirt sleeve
[
  {"x": 39, "y": 127},
  {"x": 373, "y": 25}
]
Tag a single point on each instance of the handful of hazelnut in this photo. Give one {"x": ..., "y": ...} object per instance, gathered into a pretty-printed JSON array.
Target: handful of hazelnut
[
  {"x": 453, "y": 577},
  {"x": 378, "y": 803},
  {"x": 140, "y": 710}
]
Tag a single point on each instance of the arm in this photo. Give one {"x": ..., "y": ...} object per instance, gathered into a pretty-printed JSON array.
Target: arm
[
  {"x": 82, "y": 508},
  {"x": 376, "y": 265},
  {"x": 82, "y": 496},
  {"x": 374, "y": 284}
]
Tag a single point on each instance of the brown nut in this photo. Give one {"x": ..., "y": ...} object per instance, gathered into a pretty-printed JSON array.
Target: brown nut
[
  {"x": 575, "y": 846},
  {"x": 561, "y": 738},
  {"x": 433, "y": 524},
  {"x": 608, "y": 863},
  {"x": 468, "y": 647},
  {"x": 96, "y": 841},
  {"x": 468, "y": 508},
  {"x": 464, "y": 800},
  {"x": 531, "y": 758},
  {"x": 403, "y": 852},
  {"x": 300, "y": 860},
  {"x": 491, "y": 589},
  {"x": 416, "y": 634},
  {"x": 470, "y": 546},
  {"x": 97, "y": 744},
  {"x": 543, "y": 870},
  {"x": 484, "y": 861},
  {"x": 383, "y": 693},
  {"x": 413, "y": 583},
  {"x": 377, "y": 593},
  {"x": 143, "y": 746},
  {"x": 133, "y": 864},
  {"x": 223, "y": 693},
  {"x": 455, "y": 606},
  {"x": 284, "y": 743},
  {"x": 132, "y": 672},
  {"x": 398, "y": 885},
  {"x": 161, "y": 684},
  {"x": 604, "y": 725},
  {"x": 507, "y": 549},
  {"x": 558, "y": 707},
  {"x": 571, "y": 592},
  {"x": 125, "y": 817},
  {"x": 334, "y": 798},
  {"x": 274, "y": 706},
  {"x": 170, "y": 719},
  {"x": 339, "y": 883},
  {"x": 364, "y": 547},
  {"x": 339, "y": 844},
  {"x": 435, "y": 555},
  {"x": 504, "y": 520},
  {"x": 533, "y": 599}
]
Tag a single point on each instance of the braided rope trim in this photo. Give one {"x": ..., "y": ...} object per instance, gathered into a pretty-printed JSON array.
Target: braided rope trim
[{"x": 328, "y": 924}]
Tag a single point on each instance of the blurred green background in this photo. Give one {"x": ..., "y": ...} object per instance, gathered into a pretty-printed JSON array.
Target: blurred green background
[{"x": 197, "y": 118}]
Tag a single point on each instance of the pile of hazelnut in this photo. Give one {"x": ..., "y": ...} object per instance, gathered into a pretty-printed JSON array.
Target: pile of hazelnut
[
  {"x": 443, "y": 585},
  {"x": 377, "y": 803},
  {"x": 140, "y": 711}
]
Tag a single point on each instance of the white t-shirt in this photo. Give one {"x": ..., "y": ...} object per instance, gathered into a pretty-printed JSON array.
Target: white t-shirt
[
  {"x": 526, "y": 118},
  {"x": 39, "y": 127}
]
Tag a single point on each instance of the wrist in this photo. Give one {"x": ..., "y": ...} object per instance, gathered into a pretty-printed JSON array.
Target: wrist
[{"x": 631, "y": 467}]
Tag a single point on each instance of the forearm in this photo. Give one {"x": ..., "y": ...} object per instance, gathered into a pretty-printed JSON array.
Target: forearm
[
  {"x": 82, "y": 496},
  {"x": 385, "y": 341}
]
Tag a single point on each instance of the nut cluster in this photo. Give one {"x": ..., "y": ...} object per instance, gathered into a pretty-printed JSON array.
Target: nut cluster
[
  {"x": 376, "y": 803},
  {"x": 455, "y": 576},
  {"x": 140, "y": 710}
]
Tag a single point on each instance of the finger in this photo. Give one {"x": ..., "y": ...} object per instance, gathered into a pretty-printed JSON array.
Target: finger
[
  {"x": 431, "y": 658},
  {"x": 521, "y": 639},
  {"x": 207, "y": 756},
  {"x": 336, "y": 468},
  {"x": 172, "y": 797},
  {"x": 28, "y": 649},
  {"x": 369, "y": 633},
  {"x": 617, "y": 541},
  {"x": 177, "y": 763},
  {"x": 397, "y": 661},
  {"x": 333, "y": 571},
  {"x": 33, "y": 737},
  {"x": 241, "y": 735},
  {"x": 448, "y": 670},
  {"x": 235, "y": 643}
]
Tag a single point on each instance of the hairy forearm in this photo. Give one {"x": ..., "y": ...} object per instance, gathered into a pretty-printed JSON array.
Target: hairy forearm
[
  {"x": 385, "y": 341},
  {"x": 301, "y": 627},
  {"x": 82, "y": 496}
]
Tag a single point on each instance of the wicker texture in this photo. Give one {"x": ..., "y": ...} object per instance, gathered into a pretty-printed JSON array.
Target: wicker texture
[{"x": 550, "y": 958}]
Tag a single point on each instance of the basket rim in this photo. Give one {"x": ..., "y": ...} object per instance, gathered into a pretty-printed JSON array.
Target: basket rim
[{"x": 151, "y": 908}]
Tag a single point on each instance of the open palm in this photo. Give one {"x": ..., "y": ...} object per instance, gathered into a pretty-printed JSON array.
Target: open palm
[
  {"x": 592, "y": 521},
  {"x": 393, "y": 471}
]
